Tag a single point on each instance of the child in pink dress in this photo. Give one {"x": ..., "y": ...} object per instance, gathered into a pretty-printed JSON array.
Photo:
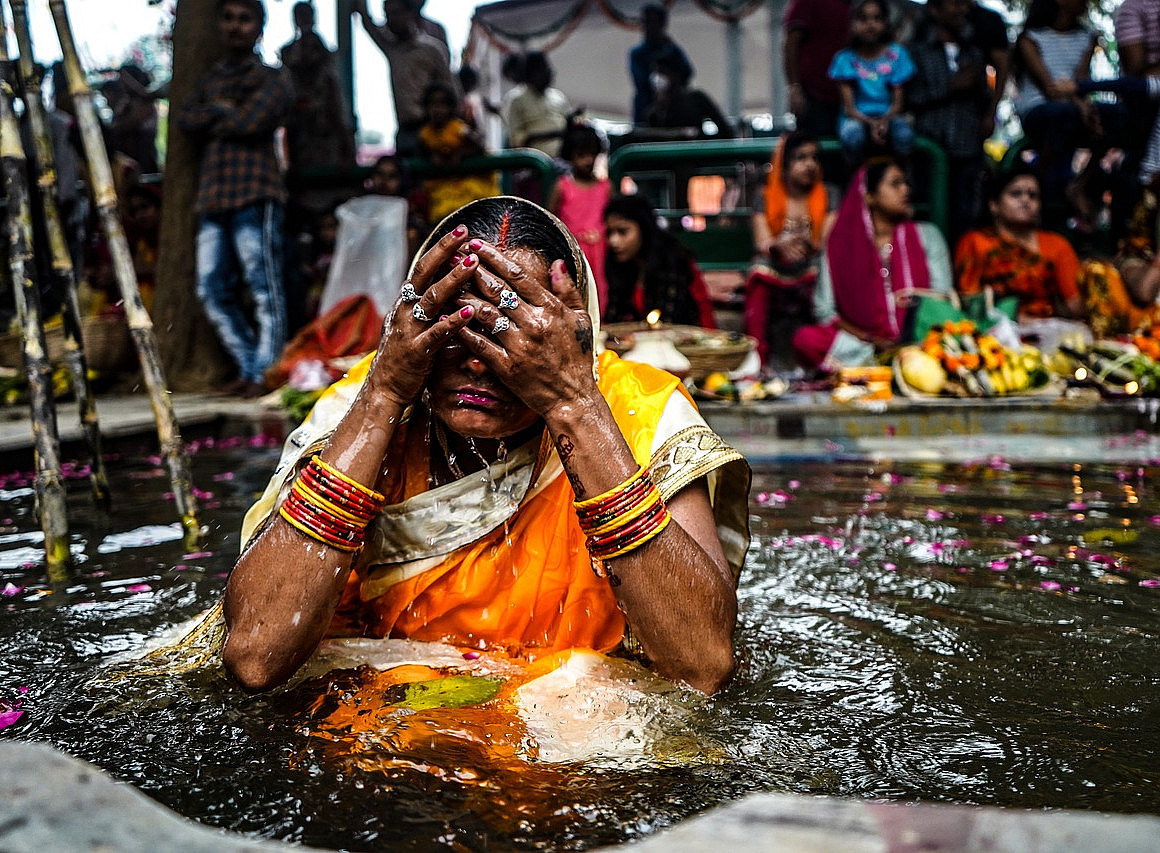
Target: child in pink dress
[{"x": 579, "y": 199}]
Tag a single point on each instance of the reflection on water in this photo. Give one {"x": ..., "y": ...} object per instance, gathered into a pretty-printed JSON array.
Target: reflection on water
[{"x": 980, "y": 633}]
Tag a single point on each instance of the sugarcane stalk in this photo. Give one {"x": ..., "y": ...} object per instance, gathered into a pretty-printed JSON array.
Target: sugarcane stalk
[
  {"x": 140, "y": 325},
  {"x": 50, "y": 493},
  {"x": 64, "y": 276}
]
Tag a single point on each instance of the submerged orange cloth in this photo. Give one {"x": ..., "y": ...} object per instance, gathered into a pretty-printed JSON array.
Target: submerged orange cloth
[
  {"x": 528, "y": 586},
  {"x": 985, "y": 258}
]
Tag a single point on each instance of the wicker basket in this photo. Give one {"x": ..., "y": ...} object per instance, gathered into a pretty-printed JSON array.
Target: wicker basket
[
  {"x": 108, "y": 345},
  {"x": 708, "y": 350}
]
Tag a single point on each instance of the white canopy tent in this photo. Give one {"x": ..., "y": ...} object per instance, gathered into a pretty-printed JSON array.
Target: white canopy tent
[{"x": 738, "y": 62}]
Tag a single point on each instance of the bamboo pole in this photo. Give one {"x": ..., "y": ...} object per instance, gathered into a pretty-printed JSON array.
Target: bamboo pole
[
  {"x": 64, "y": 276},
  {"x": 140, "y": 325},
  {"x": 50, "y": 502}
]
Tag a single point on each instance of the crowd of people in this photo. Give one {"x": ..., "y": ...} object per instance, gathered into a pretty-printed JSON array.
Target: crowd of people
[{"x": 872, "y": 74}]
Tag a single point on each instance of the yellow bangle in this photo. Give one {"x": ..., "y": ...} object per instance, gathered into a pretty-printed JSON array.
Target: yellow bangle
[
  {"x": 298, "y": 525},
  {"x": 640, "y": 509},
  {"x": 590, "y": 502},
  {"x": 650, "y": 535},
  {"x": 338, "y": 475},
  {"x": 321, "y": 502}
]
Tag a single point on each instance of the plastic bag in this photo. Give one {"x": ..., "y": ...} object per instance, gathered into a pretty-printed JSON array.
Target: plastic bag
[{"x": 370, "y": 254}]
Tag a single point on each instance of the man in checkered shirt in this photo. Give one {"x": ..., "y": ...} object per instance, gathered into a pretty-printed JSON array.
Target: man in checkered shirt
[{"x": 234, "y": 112}]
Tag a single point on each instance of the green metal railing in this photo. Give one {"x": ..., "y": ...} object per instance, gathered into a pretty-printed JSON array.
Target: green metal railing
[{"x": 725, "y": 241}]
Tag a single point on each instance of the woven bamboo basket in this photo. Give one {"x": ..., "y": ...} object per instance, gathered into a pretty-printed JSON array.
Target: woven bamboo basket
[
  {"x": 708, "y": 350},
  {"x": 108, "y": 345}
]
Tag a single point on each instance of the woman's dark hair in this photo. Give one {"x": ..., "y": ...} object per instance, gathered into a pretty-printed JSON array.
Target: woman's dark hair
[
  {"x": 665, "y": 262},
  {"x": 791, "y": 142},
  {"x": 1041, "y": 13},
  {"x": 876, "y": 169},
  {"x": 998, "y": 180},
  {"x": 581, "y": 139},
  {"x": 888, "y": 30},
  {"x": 513, "y": 223}
]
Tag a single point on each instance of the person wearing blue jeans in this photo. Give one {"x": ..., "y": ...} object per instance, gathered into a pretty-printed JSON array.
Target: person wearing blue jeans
[
  {"x": 234, "y": 112},
  {"x": 247, "y": 240}
]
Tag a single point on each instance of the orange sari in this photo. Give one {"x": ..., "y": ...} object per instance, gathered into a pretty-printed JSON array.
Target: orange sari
[{"x": 520, "y": 578}]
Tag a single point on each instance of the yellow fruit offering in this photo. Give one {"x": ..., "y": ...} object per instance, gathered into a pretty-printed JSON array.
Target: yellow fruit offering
[
  {"x": 921, "y": 371},
  {"x": 714, "y": 381}
]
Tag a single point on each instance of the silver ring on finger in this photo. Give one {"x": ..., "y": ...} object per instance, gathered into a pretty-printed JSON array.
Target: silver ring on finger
[
  {"x": 502, "y": 324},
  {"x": 508, "y": 300},
  {"x": 408, "y": 292},
  {"x": 419, "y": 314}
]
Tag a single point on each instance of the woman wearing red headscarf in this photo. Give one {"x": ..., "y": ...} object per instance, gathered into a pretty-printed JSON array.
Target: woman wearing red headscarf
[
  {"x": 876, "y": 258},
  {"x": 790, "y": 222}
]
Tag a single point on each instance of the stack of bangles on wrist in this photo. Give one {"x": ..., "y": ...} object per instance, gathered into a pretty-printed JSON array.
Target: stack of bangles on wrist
[
  {"x": 331, "y": 508},
  {"x": 623, "y": 518}
]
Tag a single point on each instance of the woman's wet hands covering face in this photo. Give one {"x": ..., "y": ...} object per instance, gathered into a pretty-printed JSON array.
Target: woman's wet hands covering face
[
  {"x": 530, "y": 326},
  {"x": 415, "y": 331}
]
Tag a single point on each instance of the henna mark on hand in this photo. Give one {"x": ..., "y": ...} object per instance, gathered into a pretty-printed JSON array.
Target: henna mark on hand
[
  {"x": 583, "y": 337},
  {"x": 566, "y": 448}
]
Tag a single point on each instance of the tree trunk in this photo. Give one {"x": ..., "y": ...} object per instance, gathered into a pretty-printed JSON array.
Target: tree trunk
[{"x": 191, "y": 355}]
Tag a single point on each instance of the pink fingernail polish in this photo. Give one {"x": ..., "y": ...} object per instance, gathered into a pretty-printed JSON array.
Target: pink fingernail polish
[
  {"x": 460, "y": 230},
  {"x": 442, "y": 316},
  {"x": 466, "y": 311},
  {"x": 475, "y": 245},
  {"x": 469, "y": 261},
  {"x": 457, "y": 258}
]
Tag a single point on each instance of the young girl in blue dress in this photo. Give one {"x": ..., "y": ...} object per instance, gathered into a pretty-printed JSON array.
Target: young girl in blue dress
[{"x": 870, "y": 74}]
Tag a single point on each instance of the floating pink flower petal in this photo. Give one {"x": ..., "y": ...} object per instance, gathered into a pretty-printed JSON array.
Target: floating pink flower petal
[
  {"x": 202, "y": 494},
  {"x": 225, "y": 475},
  {"x": 7, "y": 718},
  {"x": 993, "y": 518},
  {"x": 1150, "y": 582},
  {"x": 1077, "y": 505},
  {"x": 11, "y": 589},
  {"x": 1049, "y": 585},
  {"x": 947, "y": 488},
  {"x": 1037, "y": 516},
  {"x": 139, "y": 587},
  {"x": 1154, "y": 520},
  {"x": 1000, "y": 565},
  {"x": 873, "y": 496},
  {"x": 196, "y": 555},
  {"x": 998, "y": 463},
  {"x": 935, "y": 514},
  {"x": 763, "y": 498},
  {"x": 794, "y": 484},
  {"x": 890, "y": 567},
  {"x": 963, "y": 570},
  {"x": 1040, "y": 560},
  {"x": 470, "y": 655}
]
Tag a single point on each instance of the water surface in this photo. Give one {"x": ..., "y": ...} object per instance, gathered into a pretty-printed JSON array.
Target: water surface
[{"x": 969, "y": 633}]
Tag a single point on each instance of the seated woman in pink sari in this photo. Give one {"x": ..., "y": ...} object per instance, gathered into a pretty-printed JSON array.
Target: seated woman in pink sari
[
  {"x": 791, "y": 219},
  {"x": 876, "y": 258}
]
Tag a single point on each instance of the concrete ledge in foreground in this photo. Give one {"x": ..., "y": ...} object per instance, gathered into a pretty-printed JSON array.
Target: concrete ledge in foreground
[
  {"x": 771, "y": 822},
  {"x": 52, "y": 802},
  {"x": 55, "y": 802}
]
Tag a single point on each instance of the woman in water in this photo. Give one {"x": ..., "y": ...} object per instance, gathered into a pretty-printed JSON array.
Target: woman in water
[{"x": 487, "y": 479}]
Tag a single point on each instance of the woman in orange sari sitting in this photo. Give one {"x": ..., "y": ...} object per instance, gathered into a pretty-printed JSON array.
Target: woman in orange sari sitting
[
  {"x": 791, "y": 220},
  {"x": 1013, "y": 257},
  {"x": 486, "y": 479}
]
